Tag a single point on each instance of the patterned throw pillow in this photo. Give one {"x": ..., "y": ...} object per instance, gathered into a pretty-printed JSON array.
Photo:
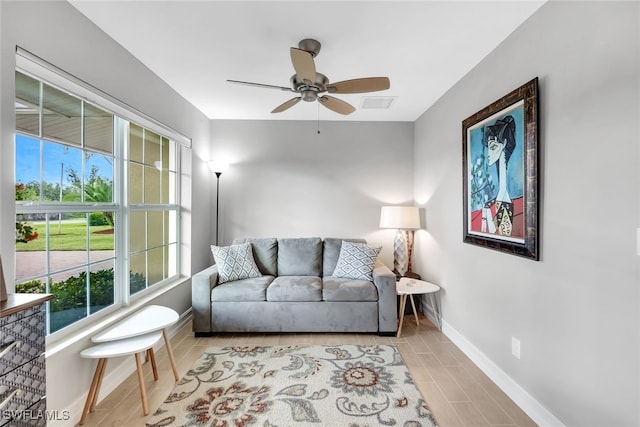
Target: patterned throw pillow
[
  {"x": 356, "y": 261},
  {"x": 235, "y": 262}
]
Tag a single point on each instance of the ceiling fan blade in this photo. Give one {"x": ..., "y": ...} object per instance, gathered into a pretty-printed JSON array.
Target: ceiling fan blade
[
  {"x": 303, "y": 64},
  {"x": 367, "y": 84},
  {"x": 262, "y": 85},
  {"x": 337, "y": 105},
  {"x": 286, "y": 105}
]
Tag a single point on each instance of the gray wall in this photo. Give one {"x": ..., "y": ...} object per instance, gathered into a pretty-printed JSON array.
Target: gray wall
[
  {"x": 285, "y": 180},
  {"x": 58, "y": 33},
  {"x": 576, "y": 311}
]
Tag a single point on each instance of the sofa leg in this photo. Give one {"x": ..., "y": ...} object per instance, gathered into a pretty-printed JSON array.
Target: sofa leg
[
  {"x": 387, "y": 334},
  {"x": 202, "y": 334}
]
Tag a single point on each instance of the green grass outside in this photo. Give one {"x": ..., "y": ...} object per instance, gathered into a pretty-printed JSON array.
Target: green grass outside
[{"x": 70, "y": 236}]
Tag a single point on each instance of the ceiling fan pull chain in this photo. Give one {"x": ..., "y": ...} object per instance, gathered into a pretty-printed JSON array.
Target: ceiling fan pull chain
[{"x": 318, "y": 118}]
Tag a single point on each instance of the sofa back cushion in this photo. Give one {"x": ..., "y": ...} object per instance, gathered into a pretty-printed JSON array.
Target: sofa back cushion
[
  {"x": 300, "y": 257},
  {"x": 332, "y": 252},
  {"x": 265, "y": 253}
]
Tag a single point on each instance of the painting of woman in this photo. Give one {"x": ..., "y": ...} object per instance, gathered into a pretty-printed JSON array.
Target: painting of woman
[
  {"x": 497, "y": 178},
  {"x": 500, "y": 174}
]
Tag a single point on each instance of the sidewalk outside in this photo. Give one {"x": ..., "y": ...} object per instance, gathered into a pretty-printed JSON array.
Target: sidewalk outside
[{"x": 30, "y": 264}]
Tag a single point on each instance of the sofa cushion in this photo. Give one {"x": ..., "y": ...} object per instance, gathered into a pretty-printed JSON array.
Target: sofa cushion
[
  {"x": 339, "y": 289},
  {"x": 331, "y": 253},
  {"x": 265, "y": 253},
  {"x": 300, "y": 257},
  {"x": 356, "y": 261},
  {"x": 235, "y": 262},
  {"x": 295, "y": 288},
  {"x": 242, "y": 290}
]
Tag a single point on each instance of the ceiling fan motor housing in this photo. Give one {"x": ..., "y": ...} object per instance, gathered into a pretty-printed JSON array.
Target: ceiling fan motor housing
[{"x": 309, "y": 92}]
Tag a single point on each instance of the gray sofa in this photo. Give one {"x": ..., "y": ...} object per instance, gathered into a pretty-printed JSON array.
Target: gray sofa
[{"x": 295, "y": 292}]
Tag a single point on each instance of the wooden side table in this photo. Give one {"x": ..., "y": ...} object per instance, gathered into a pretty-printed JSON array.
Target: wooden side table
[{"x": 407, "y": 286}]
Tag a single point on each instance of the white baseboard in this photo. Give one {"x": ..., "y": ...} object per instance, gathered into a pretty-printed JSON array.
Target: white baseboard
[
  {"x": 428, "y": 310},
  {"x": 538, "y": 413},
  {"x": 114, "y": 377}
]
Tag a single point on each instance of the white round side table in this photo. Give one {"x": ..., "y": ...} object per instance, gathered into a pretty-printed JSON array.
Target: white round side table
[
  {"x": 407, "y": 286},
  {"x": 134, "y": 334},
  {"x": 148, "y": 319},
  {"x": 123, "y": 347}
]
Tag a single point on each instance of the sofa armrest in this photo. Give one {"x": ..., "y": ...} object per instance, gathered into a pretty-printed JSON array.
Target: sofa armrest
[
  {"x": 201, "y": 285},
  {"x": 385, "y": 281}
]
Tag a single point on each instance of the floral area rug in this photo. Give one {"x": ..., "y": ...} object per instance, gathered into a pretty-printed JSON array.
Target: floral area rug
[{"x": 344, "y": 385}]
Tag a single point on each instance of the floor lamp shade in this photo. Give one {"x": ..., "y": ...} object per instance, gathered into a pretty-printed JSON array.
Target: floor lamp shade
[
  {"x": 405, "y": 219},
  {"x": 217, "y": 166}
]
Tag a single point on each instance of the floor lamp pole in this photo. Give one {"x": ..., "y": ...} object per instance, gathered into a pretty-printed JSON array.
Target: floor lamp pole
[{"x": 217, "y": 202}]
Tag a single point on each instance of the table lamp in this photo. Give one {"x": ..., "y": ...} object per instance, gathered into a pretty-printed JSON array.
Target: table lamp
[{"x": 405, "y": 219}]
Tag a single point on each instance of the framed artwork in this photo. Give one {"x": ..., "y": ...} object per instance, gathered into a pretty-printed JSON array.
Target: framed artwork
[{"x": 500, "y": 174}]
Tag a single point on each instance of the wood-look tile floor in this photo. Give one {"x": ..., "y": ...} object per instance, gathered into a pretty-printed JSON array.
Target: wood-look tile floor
[{"x": 457, "y": 392}]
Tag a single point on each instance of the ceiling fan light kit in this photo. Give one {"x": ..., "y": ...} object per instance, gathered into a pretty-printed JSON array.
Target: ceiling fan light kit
[{"x": 309, "y": 84}]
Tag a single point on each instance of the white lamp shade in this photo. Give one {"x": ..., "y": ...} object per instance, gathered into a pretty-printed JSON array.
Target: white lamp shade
[
  {"x": 400, "y": 217},
  {"x": 218, "y": 166}
]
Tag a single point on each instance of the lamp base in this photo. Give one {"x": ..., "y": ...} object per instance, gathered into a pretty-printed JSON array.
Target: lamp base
[
  {"x": 400, "y": 253},
  {"x": 409, "y": 274},
  {"x": 412, "y": 275}
]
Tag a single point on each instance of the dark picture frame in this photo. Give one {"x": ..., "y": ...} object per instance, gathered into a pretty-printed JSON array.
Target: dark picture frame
[{"x": 500, "y": 174}]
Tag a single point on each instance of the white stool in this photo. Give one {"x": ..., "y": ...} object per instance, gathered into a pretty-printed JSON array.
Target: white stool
[{"x": 121, "y": 347}]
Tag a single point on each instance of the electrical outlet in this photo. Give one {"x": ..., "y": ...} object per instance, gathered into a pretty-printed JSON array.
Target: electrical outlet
[{"x": 515, "y": 347}]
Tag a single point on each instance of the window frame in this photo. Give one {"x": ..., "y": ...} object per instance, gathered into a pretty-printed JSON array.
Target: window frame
[{"x": 123, "y": 114}]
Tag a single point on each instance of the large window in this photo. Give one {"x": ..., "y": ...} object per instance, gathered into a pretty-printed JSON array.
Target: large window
[
  {"x": 152, "y": 208},
  {"x": 97, "y": 202}
]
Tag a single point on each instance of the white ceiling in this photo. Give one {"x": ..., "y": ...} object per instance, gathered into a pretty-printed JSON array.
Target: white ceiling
[{"x": 424, "y": 47}]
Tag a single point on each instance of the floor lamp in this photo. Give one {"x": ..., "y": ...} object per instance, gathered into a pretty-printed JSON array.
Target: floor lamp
[
  {"x": 405, "y": 219},
  {"x": 217, "y": 168}
]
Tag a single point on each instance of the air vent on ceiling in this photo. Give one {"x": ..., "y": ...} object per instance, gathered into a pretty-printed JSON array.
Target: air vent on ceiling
[{"x": 377, "y": 102}]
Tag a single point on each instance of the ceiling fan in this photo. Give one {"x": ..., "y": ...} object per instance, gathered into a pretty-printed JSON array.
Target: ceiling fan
[{"x": 310, "y": 85}]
